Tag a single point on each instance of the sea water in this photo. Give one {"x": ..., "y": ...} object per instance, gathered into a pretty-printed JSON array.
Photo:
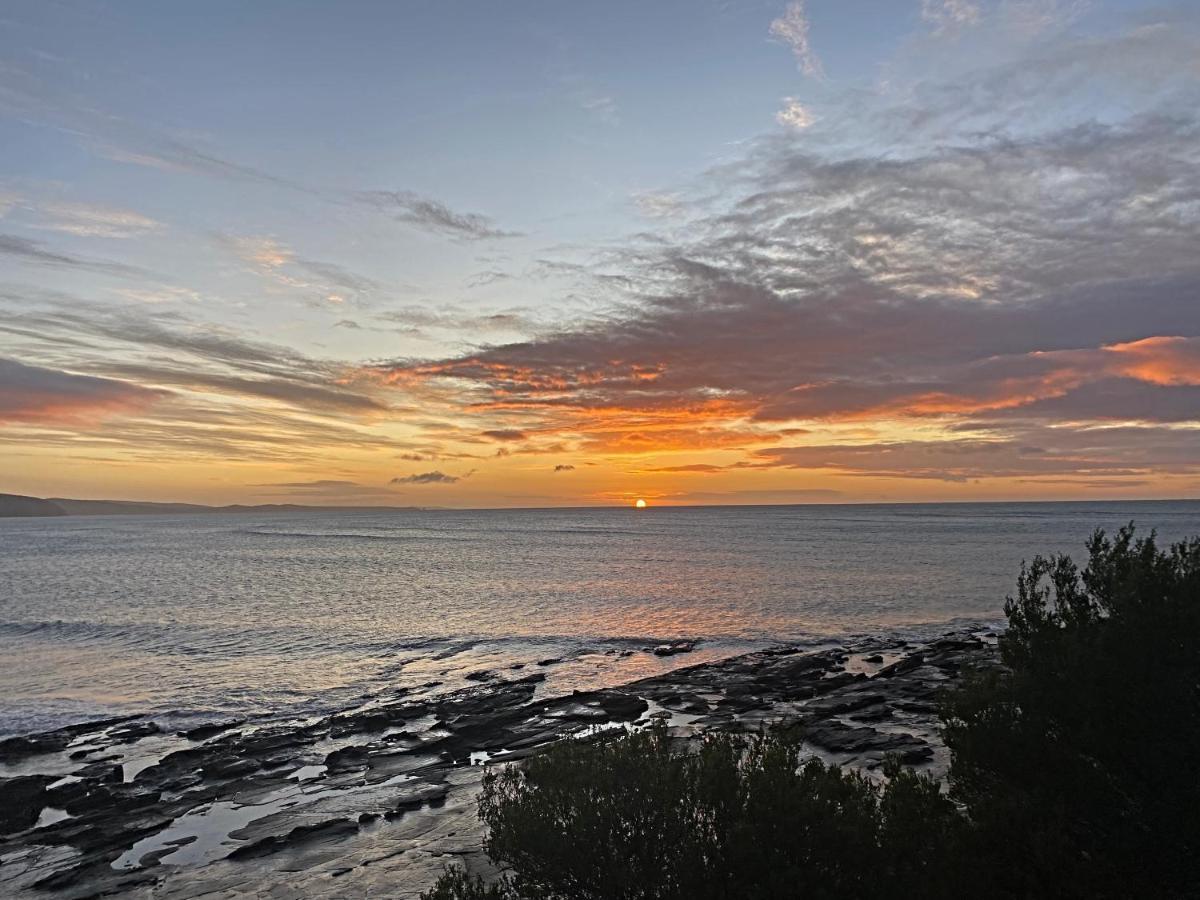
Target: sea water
[{"x": 194, "y": 617}]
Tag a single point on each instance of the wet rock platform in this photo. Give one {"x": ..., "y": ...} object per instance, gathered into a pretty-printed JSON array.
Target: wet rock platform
[{"x": 375, "y": 801}]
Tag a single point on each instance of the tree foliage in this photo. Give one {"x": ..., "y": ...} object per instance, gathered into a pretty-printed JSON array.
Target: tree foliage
[
  {"x": 636, "y": 816},
  {"x": 1077, "y": 763}
]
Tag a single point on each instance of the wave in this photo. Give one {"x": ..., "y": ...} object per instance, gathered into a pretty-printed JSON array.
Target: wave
[{"x": 347, "y": 535}]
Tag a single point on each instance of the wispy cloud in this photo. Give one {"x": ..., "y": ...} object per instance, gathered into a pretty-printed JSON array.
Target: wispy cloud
[
  {"x": 324, "y": 282},
  {"x": 950, "y": 16},
  {"x": 792, "y": 29},
  {"x": 659, "y": 204},
  {"x": 179, "y": 386},
  {"x": 122, "y": 140},
  {"x": 406, "y": 206},
  {"x": 85, "y": 220},
  {"x": 794, "y": 114},
  {"x": 34, "y": 394},
  {"x": 37, "y": 253},
  {"x": 435, "y": 477}
]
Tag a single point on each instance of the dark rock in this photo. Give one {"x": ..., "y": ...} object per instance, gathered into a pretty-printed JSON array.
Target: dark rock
[
  {"x": 834, "y": 682},
  {"x": 204, "y": 732},
  {"x": 134, "y": 731},
  {"x": 874, "y": 713},
  {"x": 15, "y": 748},
  {"x": 839, "y": 704},
  {"x": 346, "y": 758},
  {"x": 118, "y": 798},
  {"x": 102, "y": 771},
  {"x": 842, "y": 738},
  {"x": 550, "y": 661},
  {"x": 674, "y": 647},
  {"x": 686, "y": 703},
  {"x": 21, "y": 801},
  {"x": 798, "y": 667},
  {"x": 333, "y": 828},
  {"x": 372, "y": 722},
  {"x": 481, "y": 675},
  {"x": 876, "y": 658},
  {"x": 623, "y": 707},
  {"x": 173, "y": 764},
  {"x": 433, "y": 795},
  {"x": 915, "y": 661},
  {"x": 230, "y": 767},
  {"x": 60, "y": 796}
]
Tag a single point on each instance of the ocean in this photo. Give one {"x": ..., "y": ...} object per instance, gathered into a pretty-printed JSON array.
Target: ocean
[{"x": 289, "y": 615}]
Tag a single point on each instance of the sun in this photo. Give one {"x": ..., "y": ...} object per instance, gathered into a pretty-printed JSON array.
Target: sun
[{"x": 640, "y": 504}]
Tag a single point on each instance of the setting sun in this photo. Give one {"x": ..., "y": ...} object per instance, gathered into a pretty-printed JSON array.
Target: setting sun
[{"x": 640, "y": 504}]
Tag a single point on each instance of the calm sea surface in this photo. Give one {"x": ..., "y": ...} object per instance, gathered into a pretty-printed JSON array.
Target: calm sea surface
[{"x": 294, "y": 614}]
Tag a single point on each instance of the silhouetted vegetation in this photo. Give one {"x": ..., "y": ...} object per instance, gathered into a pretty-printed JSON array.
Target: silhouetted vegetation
[
  {"x": 1071, "y": 775},
  {"x": 1078, "y": 763}
]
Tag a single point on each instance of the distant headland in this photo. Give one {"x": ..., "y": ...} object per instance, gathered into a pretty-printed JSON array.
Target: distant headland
[{"x": 17, "y": 505}]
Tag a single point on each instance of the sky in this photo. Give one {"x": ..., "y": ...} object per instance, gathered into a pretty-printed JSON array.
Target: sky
[{"x": 542, "y": 253}]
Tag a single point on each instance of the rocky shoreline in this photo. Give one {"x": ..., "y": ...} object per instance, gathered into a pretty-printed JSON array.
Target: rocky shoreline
[{"x": 375, "y": 801}]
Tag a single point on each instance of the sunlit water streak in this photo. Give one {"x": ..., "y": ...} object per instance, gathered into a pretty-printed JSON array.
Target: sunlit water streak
[{"x": 295, "y": 613}]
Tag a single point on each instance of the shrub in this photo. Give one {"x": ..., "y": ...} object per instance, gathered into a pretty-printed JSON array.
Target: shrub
[
  {"x": 636, "y": 817},
  {"x": 1077, "y": 764},
  {"x": 456, "y": 884}
]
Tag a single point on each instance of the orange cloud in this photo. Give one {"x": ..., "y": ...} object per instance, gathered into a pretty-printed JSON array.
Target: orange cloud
[
  {"x": 36, "y": 395},
  {"x": 1158, "y": 360}
]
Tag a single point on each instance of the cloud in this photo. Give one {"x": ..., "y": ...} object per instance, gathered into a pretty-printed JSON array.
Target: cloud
[
  {"x": 792, "y": 29},
  {"x": 434, "y": 477},
  {"x": 458, "y": 320},
  {"x": 215, "y": 395},
  {"x": 564, "y": 467},
  {"x": 1042, "y": 276},
  {"x": 505, "y": 434},
  {"x": 324, "y": 281},
  {"x": 411, "y": 208},
  {"x": 691, "y": 468},
  {"x": 33, "y": 394},
  {"x": 319, "y": 485},
  {"x": 752, "y": 497},
  {"x": 950, "y": 16},
  {"x": 1031, "y": 18},
  {"x": 794, "y": 115},
  {"x": 294, "y": 392},
  {"x": 659, "y": 204},
  {"x": 25, "y": 250},
  {"x": 602, "y": 106},
  {"x": 120, "y": 139},
  {"x": 1023, "y": 451},
  {"x": 83, "y": 220}
]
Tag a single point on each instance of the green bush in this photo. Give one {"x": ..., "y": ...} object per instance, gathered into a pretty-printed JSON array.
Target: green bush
[
  {"x": 1072, "y": 776},
  {"x": 456, "y": 884},
  {"x": 636, "y": 817},
  {"x": 1077, "y": 764}
]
